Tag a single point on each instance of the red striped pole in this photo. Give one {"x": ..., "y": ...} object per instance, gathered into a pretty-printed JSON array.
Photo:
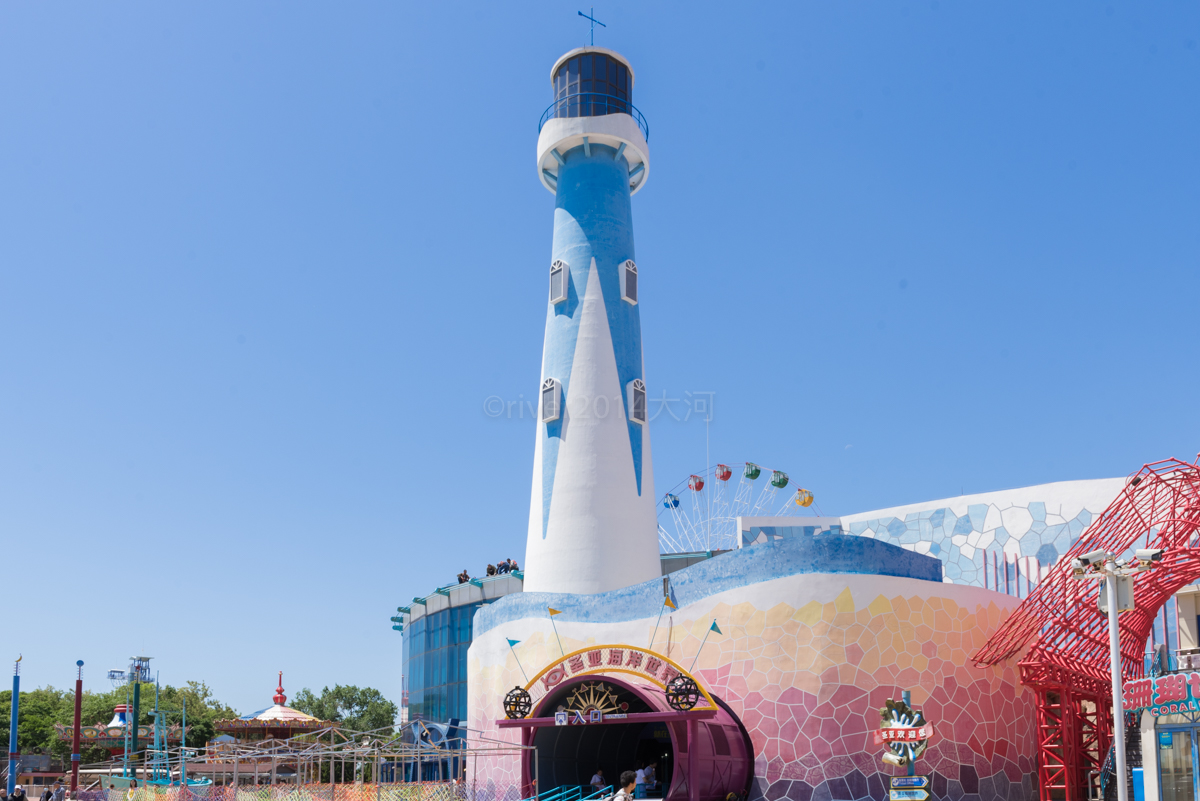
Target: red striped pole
[{"x": 75, "y": 734}]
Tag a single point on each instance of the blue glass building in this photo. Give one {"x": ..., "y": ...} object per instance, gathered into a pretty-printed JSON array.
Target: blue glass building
[
  {"x": 435, "y": 663},
  {"x": 437, "y": 632}
]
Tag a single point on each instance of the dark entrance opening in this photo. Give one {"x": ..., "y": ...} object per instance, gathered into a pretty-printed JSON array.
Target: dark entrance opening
[{"x": 569, "y": 755}]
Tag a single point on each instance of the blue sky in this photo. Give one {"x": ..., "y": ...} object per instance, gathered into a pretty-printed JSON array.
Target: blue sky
[{"x": 261, "y": 264}]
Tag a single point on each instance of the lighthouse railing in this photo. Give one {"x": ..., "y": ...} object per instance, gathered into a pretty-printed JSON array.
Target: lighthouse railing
[{"x": 593, "y": 104}]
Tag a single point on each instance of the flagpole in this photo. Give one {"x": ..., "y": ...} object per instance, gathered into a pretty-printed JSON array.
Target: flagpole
[
  {"x": 560, "y": 648},
  {"x": 514, "y": 653},
  {"x": 660, "y": 614},
  {"x": 554, "y": 612},
  {"x": 701, "y": 648}
]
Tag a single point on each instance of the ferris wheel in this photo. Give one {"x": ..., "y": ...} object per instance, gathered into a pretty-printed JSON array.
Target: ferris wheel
[{"x": 700, "y": 514}]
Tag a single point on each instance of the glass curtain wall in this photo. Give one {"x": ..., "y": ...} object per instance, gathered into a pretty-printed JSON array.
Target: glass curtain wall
[{"x": 435, "y": 664}]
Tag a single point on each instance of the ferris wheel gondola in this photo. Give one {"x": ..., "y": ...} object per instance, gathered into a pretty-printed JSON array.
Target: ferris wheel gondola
[{"x": 707, "y": 519}]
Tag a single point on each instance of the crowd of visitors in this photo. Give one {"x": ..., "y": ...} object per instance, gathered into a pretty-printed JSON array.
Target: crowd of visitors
[
  {"x": 634, "y": 783},
  {"x": 500, "y": 569}
]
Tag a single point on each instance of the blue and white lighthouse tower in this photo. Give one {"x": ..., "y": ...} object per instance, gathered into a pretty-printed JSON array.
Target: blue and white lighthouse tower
[{"x": 592, "y": 524}]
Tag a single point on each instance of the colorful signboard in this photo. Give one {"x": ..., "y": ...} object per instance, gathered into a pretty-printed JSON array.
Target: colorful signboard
[
  {"x": 904, "y": 734},
  {"x": 1164, "y": 695},
  {"x": 908, "y": 795},
  {"x": 601, "y": 660}
]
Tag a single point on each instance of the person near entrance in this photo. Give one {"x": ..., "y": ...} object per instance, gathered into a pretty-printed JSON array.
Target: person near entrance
[
  {"x": 639, "y": 778},
  {"x": 598, "y": 780},
  {"x": 628, "y": 782}
]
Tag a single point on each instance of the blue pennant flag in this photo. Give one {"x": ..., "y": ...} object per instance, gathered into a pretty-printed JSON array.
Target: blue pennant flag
[
  {"x": 511, "y": 643},
  {"x": 713, "y": 627}
]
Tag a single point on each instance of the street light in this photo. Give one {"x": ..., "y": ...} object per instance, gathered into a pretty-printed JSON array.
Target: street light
[{"x": 1116, "y": 595}]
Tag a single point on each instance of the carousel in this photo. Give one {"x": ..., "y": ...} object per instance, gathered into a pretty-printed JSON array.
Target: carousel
[{"x": 228, "y": 760}]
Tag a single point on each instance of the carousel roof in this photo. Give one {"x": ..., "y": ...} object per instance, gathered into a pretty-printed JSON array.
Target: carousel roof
[
  {"x": 279, "y": 712},
  {"x": 274, "y": 717}
]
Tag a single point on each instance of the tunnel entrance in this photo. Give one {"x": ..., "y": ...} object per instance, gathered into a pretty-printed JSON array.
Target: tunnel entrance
[
  {"x": 571, "y": 754},
  {"x": 653, "y": 733}
]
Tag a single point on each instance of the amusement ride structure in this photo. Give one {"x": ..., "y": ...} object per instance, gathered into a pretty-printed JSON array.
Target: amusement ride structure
[
  {"x": 160, "y": 748},
  {"x": 1064, "y": 635},
  {"x": 701, "y": 512}
]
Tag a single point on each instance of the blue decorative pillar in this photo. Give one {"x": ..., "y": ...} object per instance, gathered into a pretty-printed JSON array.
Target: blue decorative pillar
[{"x": 14, "y": 749}]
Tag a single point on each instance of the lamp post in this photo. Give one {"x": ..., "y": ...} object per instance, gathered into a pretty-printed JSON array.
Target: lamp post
[{"x": 1116, "y": 595}]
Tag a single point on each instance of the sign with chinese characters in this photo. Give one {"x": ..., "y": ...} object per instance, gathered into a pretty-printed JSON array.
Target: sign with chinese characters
[
  {"x": 908, "y": 795},
  {"x": 602, "y": 660},
  {"x": 904, "y": 733},
  {"x": 900, "y": 782},
  {"x": 1164, "y": 695}
]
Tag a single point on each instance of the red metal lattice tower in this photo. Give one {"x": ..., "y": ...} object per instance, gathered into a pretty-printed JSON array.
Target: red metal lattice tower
[{"x": 1066, "y": 636}]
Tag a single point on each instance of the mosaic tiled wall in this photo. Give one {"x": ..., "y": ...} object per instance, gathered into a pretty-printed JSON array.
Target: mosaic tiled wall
[
  {"x": 1040, "y": 522},
  {"x": 806, "y": 661}
]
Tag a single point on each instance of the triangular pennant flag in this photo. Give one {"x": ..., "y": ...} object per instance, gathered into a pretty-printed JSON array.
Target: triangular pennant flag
[
  {"x": 554, "y": 611},
  {"x": 668, "y": 602},
  {"x": 713, "y": 627},
  {"x": 511, "y": 643}
]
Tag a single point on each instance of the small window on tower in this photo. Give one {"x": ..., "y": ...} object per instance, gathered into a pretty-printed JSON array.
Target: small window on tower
[
  {"x": 637, "y": 401},
  {"x": 551, "y": 400},
  {"x": 558, "y": 281},
  {"x": 629, "y": 282}
]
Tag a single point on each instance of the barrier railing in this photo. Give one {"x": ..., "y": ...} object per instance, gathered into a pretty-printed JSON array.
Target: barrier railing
[
  {"x": 409, "y": 791},
  {"x": 592, "y": 104}
]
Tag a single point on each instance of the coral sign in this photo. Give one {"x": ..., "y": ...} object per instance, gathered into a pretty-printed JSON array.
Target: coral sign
[{"x": 1164, "y": 695}]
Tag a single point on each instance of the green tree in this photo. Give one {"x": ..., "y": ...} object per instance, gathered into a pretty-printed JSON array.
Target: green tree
[
  {"x": 41, "y": 709},
  {"x": 358, "y": 709}
]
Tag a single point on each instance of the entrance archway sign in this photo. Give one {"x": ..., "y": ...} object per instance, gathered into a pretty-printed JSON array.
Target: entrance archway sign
[
  {"x": 709, "y": 750},
  {"x": 1067, "y": 662},
  {"x": 608, "y": 660}
]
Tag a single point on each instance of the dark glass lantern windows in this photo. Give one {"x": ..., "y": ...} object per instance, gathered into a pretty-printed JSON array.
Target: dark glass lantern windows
[{"x": 592, "y": 85}]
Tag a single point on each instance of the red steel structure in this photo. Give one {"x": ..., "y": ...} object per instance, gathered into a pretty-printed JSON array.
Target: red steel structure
[{"x": 1066, "y": 636}]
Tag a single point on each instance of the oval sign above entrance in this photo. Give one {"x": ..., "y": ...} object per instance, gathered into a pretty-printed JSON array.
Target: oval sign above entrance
[{"x": 601, "y": 660}]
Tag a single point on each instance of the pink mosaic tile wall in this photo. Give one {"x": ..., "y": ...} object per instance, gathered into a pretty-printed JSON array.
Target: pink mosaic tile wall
[{"x": 807, "y": 682}]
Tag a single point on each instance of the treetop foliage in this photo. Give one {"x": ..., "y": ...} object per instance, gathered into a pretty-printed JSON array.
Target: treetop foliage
[
  {"x": 359, "y": 709},
  {"x": 42, "y": 708}
]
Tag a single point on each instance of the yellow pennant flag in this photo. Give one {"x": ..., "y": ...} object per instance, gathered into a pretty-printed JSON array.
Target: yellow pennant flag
[
  {"x": 668, "y": 602},
  {"x": 553, "y": 611}
]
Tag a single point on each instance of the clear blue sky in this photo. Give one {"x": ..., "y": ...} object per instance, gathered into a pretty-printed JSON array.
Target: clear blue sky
[{"x": 261, "y": 263}]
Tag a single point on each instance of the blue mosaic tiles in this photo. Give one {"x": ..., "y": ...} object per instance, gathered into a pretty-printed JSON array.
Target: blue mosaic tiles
[{"x": 966, "y": 534}]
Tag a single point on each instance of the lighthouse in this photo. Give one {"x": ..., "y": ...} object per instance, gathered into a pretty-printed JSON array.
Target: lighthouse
[{"x": 592, "y": 524}]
